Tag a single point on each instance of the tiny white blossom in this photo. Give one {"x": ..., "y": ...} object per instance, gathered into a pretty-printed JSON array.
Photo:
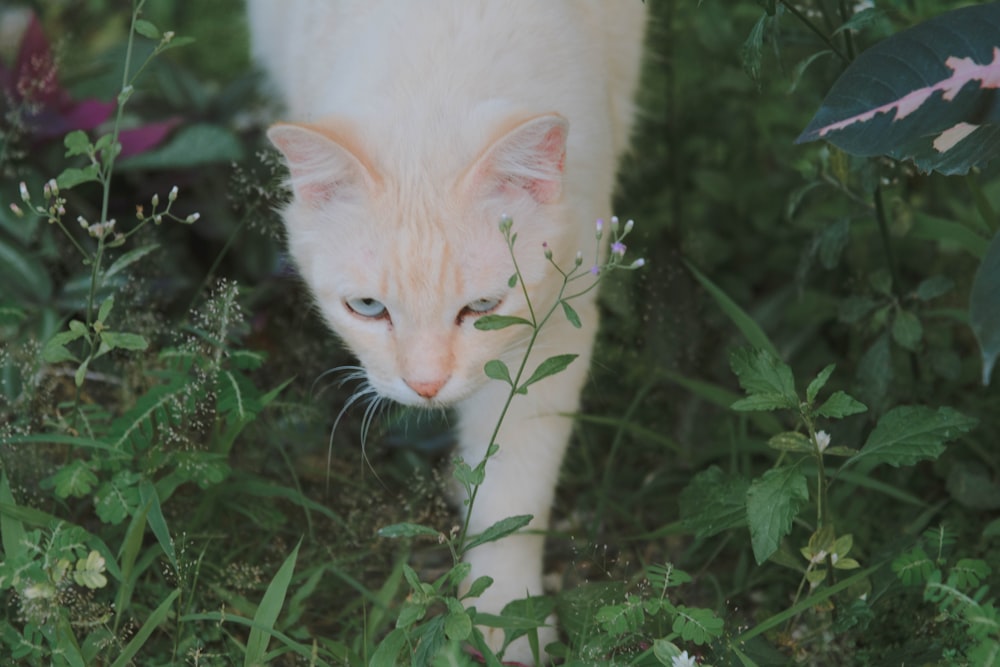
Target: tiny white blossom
[
  {"x": 684, "y": 660},
  {"x": 173, "y": 194},
  {"x": 192, "y": 218},
  {"x": 822, "y": 440},
  {"x": 628, "y": 227},
  {"x": 639, "y": 263},
  {"x": 16, "y": 210},
  {"x": 24, "y": 192}
]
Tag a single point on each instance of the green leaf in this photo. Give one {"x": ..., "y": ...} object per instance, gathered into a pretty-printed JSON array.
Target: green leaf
[
  {"x": 153, "y": 621},
  {"x": 74, "y": 479},
  {"x": 89, "y": 571},
  {"x": 478, "y": 587},
  {"x": 697, "y": 625},
  {"x": 123, "y": 341},
  {"x": 494, "y": 322},
  {"x": 839, "y": 405},
  {"x": 499, "y": 530},
  {"x": 550, "y": 366},
  {"x": 81, "y": 372},
  {"x": 12, "y": 533},
  {"x": 908, "y": 434},
  {"x": 117, "y": 498},
  {"x": 665, "y": 652},
  {"x": 458, "y": 626},
  {"x": 766, "y": 379},
  {"x": 792, "y": 441},
  {"x": 617, "y": 619},
  {"x": 388, "y": 649},
  {"x": 190, "y": 146},
  {"x": 922, "y": 94},
  {"x": 77, "y": 143},
  {"x": 72, "y": 177},
  {"x": 714, "y": 501},
  {"x": 105, "y": 309},
  {"x": 268, "y": 611},
  {"x": 984, "y": 307},
  {"x": 773, "y": 501},
  {"x": 571, "y": 314},
  {"x": 147, "y": 29},
  {"x": 126, "y": 260},
  {"x": 818, "y": 383},
  {"x": 933, "y": 287},
  {"x": 907, "y": 330},
  {"x": 150, "y": 499},
  {"x": 746, "y": 324},
  {"x": 400, "y": 530},
  {"x": 497, "y": 370}
]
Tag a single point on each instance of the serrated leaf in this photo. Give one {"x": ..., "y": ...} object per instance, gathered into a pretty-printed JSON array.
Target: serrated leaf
[
  {"x": 984, "y": 308},
  {"x": 550, "y": 366},
  {"x": 792, "y": 441},
  {"x": 927, "y": 94},
  {"x": 72, "y": 177},
  {"x": 773, "y": 501},
  {"x": 714, "y": 501},
  {"x": 493, "y": 322},
  {"x": 767, "y": 380},
  {"x": 74, "y": 479},
  {"x": 697, "y": 625},
  {"x": 77, "y": 143},
  {"x": 812, "y": 391},
  {"x": 497, "y": 370},
  {"x": 840, "y": 404},
  {"x": 458, "y": 626},
  {"x": 499, "y": 530},
  {"x": 908, "y": 434}
]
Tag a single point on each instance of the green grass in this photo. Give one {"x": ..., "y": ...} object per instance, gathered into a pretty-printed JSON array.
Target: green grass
[{"x": 236, "y": 528}]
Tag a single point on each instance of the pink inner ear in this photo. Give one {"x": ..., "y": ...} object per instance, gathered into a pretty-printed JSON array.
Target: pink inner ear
[
  {"x": 529, "y": 158},
  {"x": 321, "y": 166}
]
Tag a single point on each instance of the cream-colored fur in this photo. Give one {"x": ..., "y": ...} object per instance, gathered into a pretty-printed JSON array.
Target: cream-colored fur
[{"x": 412, "y": 126}]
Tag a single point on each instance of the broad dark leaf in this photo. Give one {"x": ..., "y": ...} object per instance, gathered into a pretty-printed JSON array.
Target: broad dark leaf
[{"x": 928, "y": 94}]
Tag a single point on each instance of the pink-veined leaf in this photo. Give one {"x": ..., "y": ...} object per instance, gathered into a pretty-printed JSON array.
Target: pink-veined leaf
[{"x": 930, "y": 93}]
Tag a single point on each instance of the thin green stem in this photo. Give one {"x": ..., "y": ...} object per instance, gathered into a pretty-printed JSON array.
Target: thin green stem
[
  {"x": 883, "y": 228},
  {"x": 815, "y": 29}
]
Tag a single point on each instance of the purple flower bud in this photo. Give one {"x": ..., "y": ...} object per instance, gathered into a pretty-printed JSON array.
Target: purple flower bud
[{"x": 618, "y": 248}]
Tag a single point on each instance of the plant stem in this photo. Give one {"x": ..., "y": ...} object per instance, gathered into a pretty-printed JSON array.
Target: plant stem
[
  {"x": 883, "y": 228},
  {"x": 815, "y": 29}
]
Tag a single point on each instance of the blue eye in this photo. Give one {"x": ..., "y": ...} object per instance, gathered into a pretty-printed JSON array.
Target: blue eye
[
  {"x": 481, "y": 307},
  {"x": 369, "y": 308}
]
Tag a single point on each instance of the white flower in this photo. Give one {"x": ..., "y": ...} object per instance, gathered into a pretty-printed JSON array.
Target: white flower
[
  {"x": 822, "y": 440},
  {"x": 684, "y": 660}
]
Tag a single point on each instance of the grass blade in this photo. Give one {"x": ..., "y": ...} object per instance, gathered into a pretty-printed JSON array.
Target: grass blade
[
  {"x": 158, "y": 616},
  {"x": 268, "y": 610}
]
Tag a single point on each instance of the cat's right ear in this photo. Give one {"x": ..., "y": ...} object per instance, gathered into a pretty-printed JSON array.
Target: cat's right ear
[{"x": 322, "y": 164}]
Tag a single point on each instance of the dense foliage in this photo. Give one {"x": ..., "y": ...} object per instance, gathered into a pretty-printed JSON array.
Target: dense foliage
[{"x": 786, "y": 455}]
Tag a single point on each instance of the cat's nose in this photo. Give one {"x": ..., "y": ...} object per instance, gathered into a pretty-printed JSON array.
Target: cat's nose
[{"x": 427, "y": 389}]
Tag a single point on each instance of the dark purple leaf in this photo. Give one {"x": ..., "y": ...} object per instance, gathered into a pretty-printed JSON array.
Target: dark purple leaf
[
  {"x": 141, "y": 139},
  {"x": 929, "y": 94}
]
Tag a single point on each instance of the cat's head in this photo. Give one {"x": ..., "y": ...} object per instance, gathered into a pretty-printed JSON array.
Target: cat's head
[{"x": 402, "y": 262}]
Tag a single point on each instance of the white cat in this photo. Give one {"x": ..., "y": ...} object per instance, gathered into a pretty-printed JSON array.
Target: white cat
[{"x": 413, "y": 127}]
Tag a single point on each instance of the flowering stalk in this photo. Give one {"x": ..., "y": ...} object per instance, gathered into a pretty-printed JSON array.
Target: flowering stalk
[{"x": 614, "y": 262}]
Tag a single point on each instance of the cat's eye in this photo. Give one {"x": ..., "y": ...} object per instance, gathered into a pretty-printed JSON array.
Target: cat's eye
[
  {"x": 479, "y": 307},
  {"x": 366, "y": 307}
]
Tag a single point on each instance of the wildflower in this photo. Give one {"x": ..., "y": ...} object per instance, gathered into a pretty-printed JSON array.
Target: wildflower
[
  {"x": 579, "y": 258},
  {"x": 683, "y": 660},
  {"x": 25, "y": 195},
  {"x": 155, "y": 201},
  {"x": 614, "y": 224},
  {"x": 82, "y": 221},
  {"x": 638, "y": 264},
  {"x": 628, "y": 227},
  {"x": 16, "y": 210},
  {"x": 600, "y": 228},
  {"x": 822, "y": 440},
  {"x": 547, "y": 250},
  {"x": 168, "y": 36},
  {"x": 173, "y": 194},
  {"x": 595, "y": 270},
  {"x": 618, "y": 248},
  {"x": 192, "y": 218}
]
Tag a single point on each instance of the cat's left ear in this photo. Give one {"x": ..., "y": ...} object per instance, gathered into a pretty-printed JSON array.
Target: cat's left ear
[{"x": 529, "y": 158}]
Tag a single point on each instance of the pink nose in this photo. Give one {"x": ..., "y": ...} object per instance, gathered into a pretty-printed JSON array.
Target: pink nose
[{"x": 427, "y": 389}]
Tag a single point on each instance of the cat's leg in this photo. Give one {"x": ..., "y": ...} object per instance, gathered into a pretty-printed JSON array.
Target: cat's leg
[{"x": 521, "y": 478}]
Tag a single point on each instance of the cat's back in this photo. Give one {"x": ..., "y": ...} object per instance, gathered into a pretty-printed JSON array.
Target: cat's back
[{"x": 380, "y": 59}]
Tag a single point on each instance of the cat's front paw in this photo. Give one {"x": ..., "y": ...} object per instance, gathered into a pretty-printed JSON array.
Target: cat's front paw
[{"x": 519, "y": 652}]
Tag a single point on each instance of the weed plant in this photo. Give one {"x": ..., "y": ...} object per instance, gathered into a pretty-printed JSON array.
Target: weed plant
[{"x": 786, "y": 454}]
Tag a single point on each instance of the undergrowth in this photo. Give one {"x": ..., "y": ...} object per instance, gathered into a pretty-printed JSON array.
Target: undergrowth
[{"x": 785, "y": 455}]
